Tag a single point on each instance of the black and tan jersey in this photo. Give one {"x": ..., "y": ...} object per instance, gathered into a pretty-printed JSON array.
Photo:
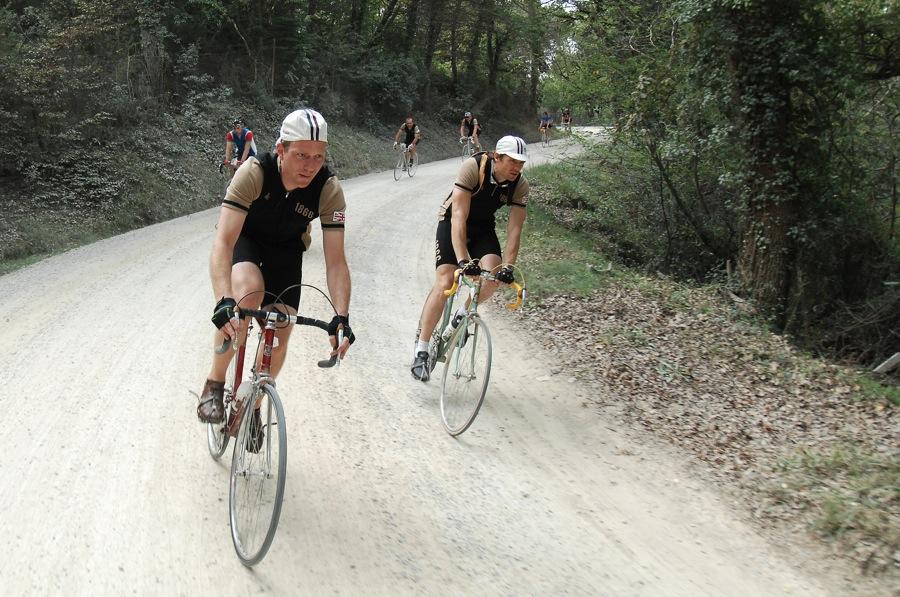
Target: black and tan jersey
[
  {"x": 277, "y": 217},
  {"x": 411, "y": 134},
  {"x": 476, "y": 176}
]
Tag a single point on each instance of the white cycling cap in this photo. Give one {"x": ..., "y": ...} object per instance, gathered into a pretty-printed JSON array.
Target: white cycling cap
[
  {"x": 514, "y": 147},
  {"x": 303, "y": 125}
]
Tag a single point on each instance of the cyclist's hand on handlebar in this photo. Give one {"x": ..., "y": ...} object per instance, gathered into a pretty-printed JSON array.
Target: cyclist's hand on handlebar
[
  {"x": 349, "y": 337},
  {"x": 395, "y": 145},
  {"x": 505, "y": 274},
  {"x": 462, "y": 140},
  {"x": 224, "y": 318},
  {"x": 470, "y": 267}
]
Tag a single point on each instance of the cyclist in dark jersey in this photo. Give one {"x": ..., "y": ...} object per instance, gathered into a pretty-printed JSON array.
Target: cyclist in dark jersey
[
  {"x": 240, "y": 142},
  {"x": 469, "y": 127},
  {"x": 262, "y": 232},
  {"x": 466, "y": 236},
  {"x": 412, "y": 136}
]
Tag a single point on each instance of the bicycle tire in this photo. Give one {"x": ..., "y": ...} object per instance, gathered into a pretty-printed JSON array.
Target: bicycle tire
[
  {"x": 464, "y": 385},
  {"x": 411, "y": 170},
  {"x": 398, "y": 167},
  {"x": 249, "y": 489},
  {"x": 216, "y": 433}
]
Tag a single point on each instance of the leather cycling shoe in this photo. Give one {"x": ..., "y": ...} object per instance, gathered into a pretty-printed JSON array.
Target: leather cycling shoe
[
  {"x": 212, "y": 407},
  {"x": 420, "y": 369}
]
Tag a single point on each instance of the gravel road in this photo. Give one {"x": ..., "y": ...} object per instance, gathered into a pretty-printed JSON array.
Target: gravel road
[{"x": 108, "y": 487}]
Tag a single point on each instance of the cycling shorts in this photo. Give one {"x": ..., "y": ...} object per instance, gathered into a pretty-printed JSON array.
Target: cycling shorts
[
  {"x": 281, "y": 268},
  {"x": 481, "y": 241}
]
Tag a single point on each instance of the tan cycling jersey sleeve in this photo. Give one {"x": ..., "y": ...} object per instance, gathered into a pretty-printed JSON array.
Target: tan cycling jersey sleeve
[
  {"x": 332, "y": 207},
  {"x": 520, "y": 196},
  {"x": 245, "y": 187},
  {"x": 467, "y": 177}
]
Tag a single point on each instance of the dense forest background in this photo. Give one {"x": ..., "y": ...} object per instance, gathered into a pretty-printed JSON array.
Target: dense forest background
[{"x": 752, "y": 142}]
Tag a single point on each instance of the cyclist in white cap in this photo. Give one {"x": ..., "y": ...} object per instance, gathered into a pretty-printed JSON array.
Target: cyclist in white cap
[
  {"x": 466, "y": 236},
  {"x": 469, "y": 127},
  {"x": 262, "y": 232}
]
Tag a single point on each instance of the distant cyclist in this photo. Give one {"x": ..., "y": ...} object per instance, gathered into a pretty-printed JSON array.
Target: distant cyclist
[
  {"x": 240, "y": 141},
  {"x": 567, "y": 119},
  {"x": 469, "y": 127},
  {"x": 546, "y": 122},
  {"x": 412, "y": 136}
]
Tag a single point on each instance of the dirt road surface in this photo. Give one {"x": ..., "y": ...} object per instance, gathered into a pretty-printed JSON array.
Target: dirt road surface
[{"x": 108, "y": 487}]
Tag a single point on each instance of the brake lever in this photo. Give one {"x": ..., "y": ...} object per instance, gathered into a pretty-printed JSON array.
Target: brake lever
[{"x": 334, "y": 360}]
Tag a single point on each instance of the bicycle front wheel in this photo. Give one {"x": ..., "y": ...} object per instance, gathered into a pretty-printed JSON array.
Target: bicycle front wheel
[
  {"x": 413, "y": 164},
  {"x": 398, "y": 167},
  {"x": 216, "y": 433},
  {"x": 467, "y": 369},
  {"x": 258, "y": 471}
]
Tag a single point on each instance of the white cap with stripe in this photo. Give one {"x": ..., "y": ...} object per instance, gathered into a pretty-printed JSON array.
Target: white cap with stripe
[
  {"x": 304, "y": 125},
  {"x": 512, "y": 146}
]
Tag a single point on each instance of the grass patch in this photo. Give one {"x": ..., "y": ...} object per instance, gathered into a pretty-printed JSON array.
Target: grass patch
[
  {"x": 557, "y": 260},
  {"x": 854, "y": 496}
]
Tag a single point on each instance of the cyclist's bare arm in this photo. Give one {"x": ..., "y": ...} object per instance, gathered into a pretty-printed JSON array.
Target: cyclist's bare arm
[
  {"x": 229, "y": 149},
  {"x": 231, "y": 221},
  {"x": 397, "y": 136},
  {"x": 337, "y": 275},
  {"x": 462, "y": 201},
  {"x": 514, "y": 233}
]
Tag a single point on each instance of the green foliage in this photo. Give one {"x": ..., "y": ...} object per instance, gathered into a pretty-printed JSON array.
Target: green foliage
[{"x": 760, "y": 134}]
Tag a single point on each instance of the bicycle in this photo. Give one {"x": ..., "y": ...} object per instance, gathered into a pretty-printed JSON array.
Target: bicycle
[
  {"x": 567, "y": 127},
  {"x": 406, "y": 162},
  {"x": 468, "y": 147},
  {"x": 466, "y": 351},
  {"x": 545, "y": 136},
  {"x": 259, "y": 461},
  {"x": 227, "y": 169}
]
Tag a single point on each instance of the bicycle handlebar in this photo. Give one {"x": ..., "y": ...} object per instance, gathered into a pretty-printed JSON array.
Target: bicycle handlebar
[
  {"x": 279, "y": 317},
  {"x": 520, "y": 290}
]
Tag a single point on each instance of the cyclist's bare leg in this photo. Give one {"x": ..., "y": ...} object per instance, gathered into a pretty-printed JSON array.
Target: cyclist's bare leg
[
  {"x": 246, "y": 281},
  {"x": 475, "y": 142},
  {"x": 434, "y": 304},
  {"x": 489, "y": 287}
]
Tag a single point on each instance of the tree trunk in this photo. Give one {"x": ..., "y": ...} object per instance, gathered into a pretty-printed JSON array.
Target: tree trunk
[
  {"x": 772, "y": 205},
  {"x": 454, "y": 47},
  {"x": 412, "y": 22},
  {"x": 535, "y": 42},
  {"x": 435, "y": 22}
]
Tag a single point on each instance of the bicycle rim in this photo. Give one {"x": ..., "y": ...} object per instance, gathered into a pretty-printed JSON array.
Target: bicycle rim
[
  {"x": 257, "y": 482},
  {"x": 415, "y": 165},
  {"x": 216, "y": 435},
  {"x": 467, "y": 370}
]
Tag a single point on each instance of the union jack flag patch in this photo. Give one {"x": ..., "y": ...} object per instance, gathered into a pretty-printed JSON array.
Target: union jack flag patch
[{"x": 339, "y": 216}]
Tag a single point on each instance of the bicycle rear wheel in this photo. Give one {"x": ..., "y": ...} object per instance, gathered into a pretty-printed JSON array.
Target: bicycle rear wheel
[
  {"x": 398, "y": 167},
  {"x": 467, "y": 369},
  {"x": 413, "y": 164},
  {"x": 216, "y": 433},
  {"x": 256, "y": 490}
]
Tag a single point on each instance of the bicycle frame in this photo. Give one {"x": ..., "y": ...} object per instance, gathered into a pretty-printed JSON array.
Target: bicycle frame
[
  {"x": 474, "y": 290},
  {"x": 259, "y": 376}
]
